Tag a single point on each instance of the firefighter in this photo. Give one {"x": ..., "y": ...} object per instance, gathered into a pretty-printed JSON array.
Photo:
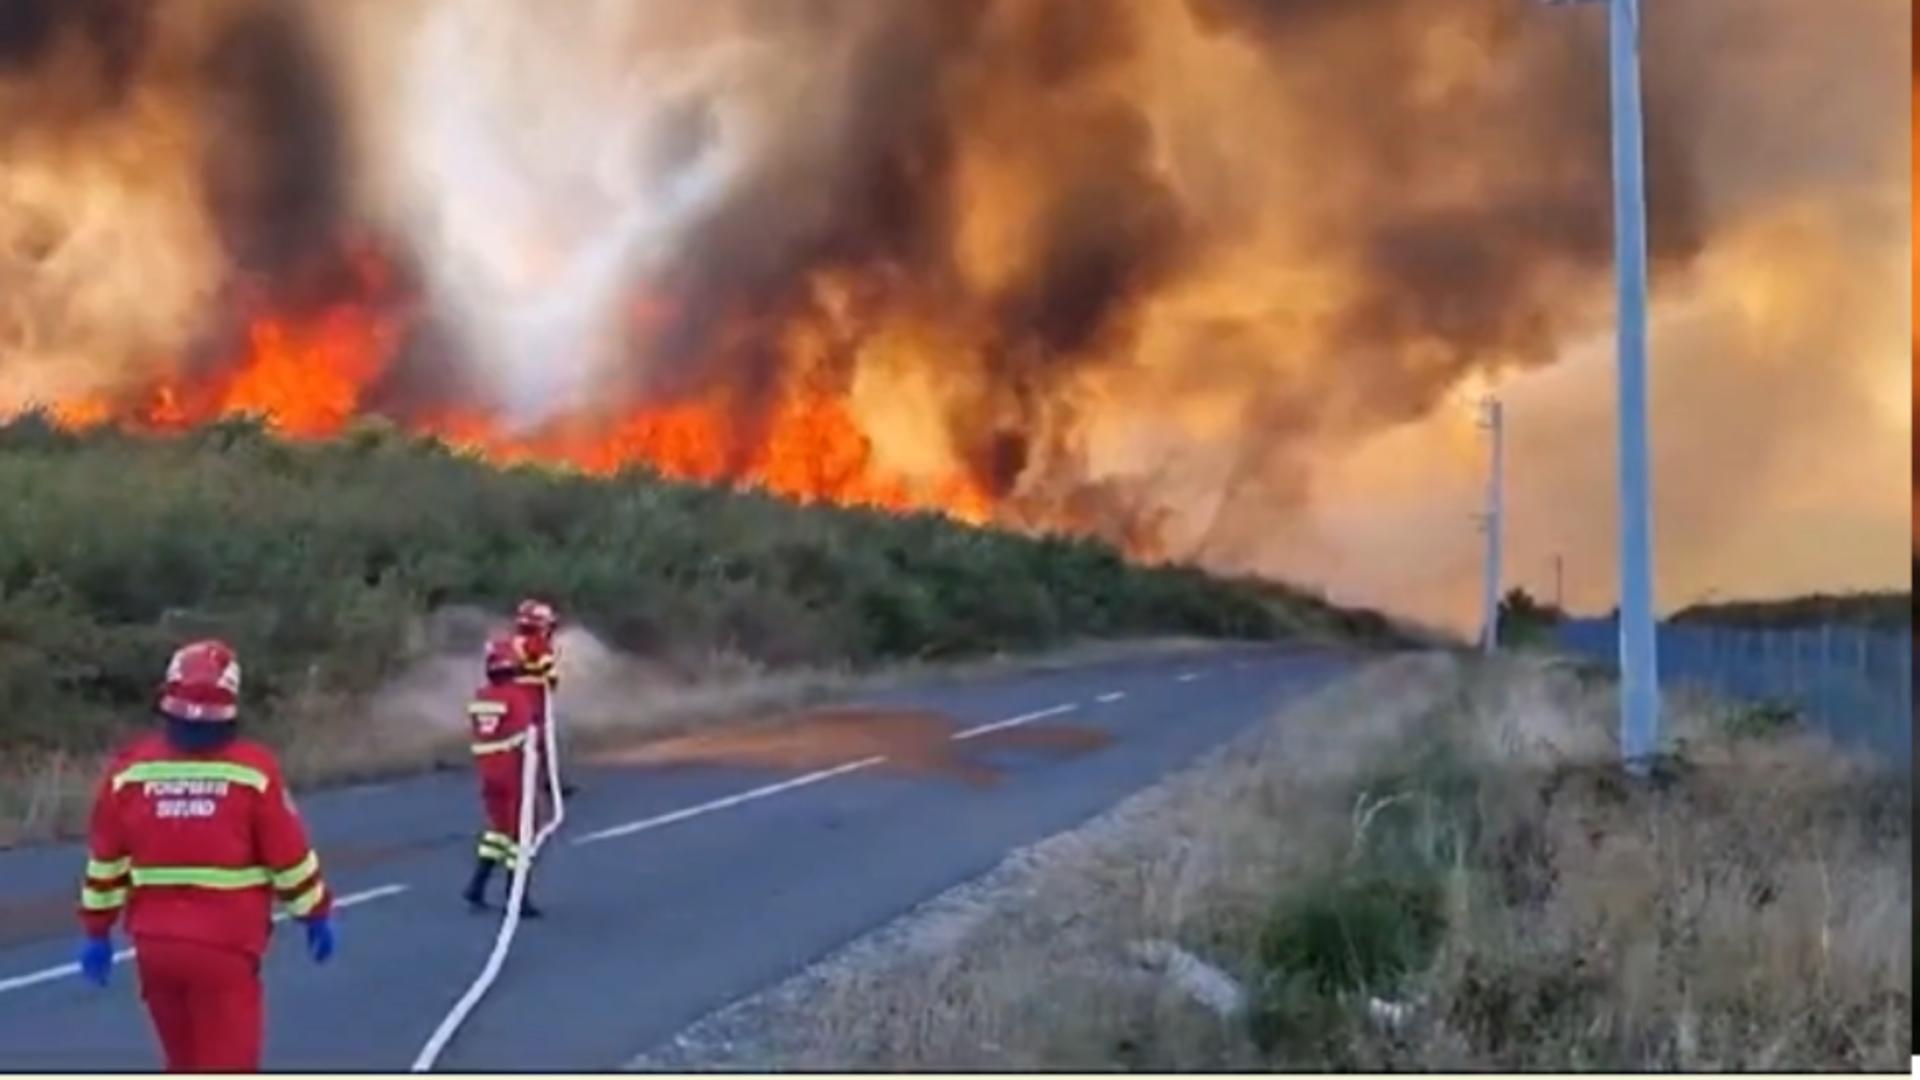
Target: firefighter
[
  {"x": 193, "y": 837},
  {"x": 534, "y": 624},
  {"x": 503, "y": 723}
]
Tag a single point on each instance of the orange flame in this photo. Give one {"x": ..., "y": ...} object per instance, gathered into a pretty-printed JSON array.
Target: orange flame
[
  {"x": 812, "y": 451},
  {"x": 307, "y": 373}
]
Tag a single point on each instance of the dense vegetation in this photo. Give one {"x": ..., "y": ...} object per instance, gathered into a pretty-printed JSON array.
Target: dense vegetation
[
  {"x": 1527, "y": 622},
  {"x": 1877, "y": 610},
  {"x": 320, "y": 560}
]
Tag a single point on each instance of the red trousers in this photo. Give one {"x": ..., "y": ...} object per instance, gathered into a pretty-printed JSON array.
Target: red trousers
[
  {"x": 205, "y": 1004},
  {"x": 500, "y": 793},
  {"x": 502, "y": 798}
]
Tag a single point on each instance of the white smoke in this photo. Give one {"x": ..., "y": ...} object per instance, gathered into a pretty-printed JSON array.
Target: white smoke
[{"x": 547, "y": 161}]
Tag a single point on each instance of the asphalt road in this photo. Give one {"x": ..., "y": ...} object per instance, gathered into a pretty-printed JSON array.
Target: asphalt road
[{"x": 668, "y": 894}]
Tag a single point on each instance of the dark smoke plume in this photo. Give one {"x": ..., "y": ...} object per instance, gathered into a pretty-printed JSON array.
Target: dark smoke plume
[
  {"x": 1142, "y": 267},
  {"x": 1451, "y": 275},
  {"x": 273, "y": 163}
]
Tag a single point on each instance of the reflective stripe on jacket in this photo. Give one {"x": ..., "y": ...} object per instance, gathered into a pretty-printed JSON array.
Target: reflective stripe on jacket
[
  {"x": 499, "y": 718},
  {"x": 539, "y": 661},
  {"x": 198, "y": 847}
]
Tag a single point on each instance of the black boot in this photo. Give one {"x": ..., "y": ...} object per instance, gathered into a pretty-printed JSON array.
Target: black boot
[{"x": 476, "y": 894}]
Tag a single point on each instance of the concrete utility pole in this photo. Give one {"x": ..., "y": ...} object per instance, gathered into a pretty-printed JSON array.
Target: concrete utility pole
[
  {"x": 1493, "y": 420},
  {"x": 1639, "y": 669}
]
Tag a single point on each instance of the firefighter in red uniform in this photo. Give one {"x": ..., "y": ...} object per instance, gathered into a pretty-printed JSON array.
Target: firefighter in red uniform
[
  {"x": 534, "y": 624},
  {"x": 194, "y": 836},
  {"x": 533, "y": 627},
  {"x": 503, "y": 722}
]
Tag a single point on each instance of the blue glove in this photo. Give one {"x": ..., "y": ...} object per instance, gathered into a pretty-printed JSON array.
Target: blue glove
[
  {"x": 319, "y": 939},
  {"x": 96, "y": 960}
]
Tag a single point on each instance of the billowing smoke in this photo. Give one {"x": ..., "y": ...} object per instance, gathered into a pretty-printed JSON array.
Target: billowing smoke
[{"x": 1215, "y": 278}]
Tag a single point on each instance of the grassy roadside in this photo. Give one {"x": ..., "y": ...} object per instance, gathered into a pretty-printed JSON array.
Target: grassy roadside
[{"x": 1432, "y": 866}]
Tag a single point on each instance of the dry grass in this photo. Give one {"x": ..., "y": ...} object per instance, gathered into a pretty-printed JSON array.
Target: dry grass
[
  {"x": 1749, "y": 909},
  {"x": 416, "y": 724}
]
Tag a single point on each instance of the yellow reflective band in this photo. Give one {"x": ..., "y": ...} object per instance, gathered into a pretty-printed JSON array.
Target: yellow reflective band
[
  {"x": 200, "y": 877},
  {"x": 501, "y": 840},
  {"x": 299, "y": 872},
  {"x": 107, "y": 871},
  {"x": 191, "y": 770},
  {"x": 500, "y": 745},
  {"x": 486, "y": 708},
  {"x": 99, "y": 900},
  {"x": 302, "y": 906},
  {"x": 494, "y": 854}
]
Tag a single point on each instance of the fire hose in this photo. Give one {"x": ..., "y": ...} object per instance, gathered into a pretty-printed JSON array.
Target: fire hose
[
  {"x": 528, "y": 847},
  {"x": 550, "y": 751}
]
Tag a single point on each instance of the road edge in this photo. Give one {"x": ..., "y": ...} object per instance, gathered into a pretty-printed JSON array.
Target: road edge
[{"x": 733, "y": 1037}]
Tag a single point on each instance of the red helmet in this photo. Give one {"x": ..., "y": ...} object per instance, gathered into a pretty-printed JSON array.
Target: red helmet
[
  {"x": 534, "y": 616},
  {"x": 203, "y": 683},
  {"x": 502, "y": 658}
]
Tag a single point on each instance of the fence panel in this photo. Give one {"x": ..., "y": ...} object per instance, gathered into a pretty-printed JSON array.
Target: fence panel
[{"x": 1853, "y": 683}]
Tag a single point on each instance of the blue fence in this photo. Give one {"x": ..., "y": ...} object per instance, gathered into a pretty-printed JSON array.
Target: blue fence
[{"x": 1853, "y": 683}]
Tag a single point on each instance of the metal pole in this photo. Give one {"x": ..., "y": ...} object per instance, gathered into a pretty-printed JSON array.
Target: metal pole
[
  {"x": 1903, "y": 687},
  {"x": 1639, "y": 671},
  {"x": 1490, "y": 629},
  {"x": 1824, "y": 681}
]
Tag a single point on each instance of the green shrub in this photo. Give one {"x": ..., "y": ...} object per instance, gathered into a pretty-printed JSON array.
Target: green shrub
[
  {"x": 1760, "y": 720},
  {"x": 1369, "y": 924},
  {"x": 1355, "y": 932},
  {"x": 318, "y": 560}
]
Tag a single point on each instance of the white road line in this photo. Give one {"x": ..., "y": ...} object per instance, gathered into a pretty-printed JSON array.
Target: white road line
[
  {"x": 1108, "y": 699},
  {"x": 674, "y": 816},
  {"x": 722, "y": 804},
  {"x": 1189, "y": 676},
  {"x": 21, "y": 982},
  {"x": 379, "y": 892},
  {"x": 1002, "y": 725}
]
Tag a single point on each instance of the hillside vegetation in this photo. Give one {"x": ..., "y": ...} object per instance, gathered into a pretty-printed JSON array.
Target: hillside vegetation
[
  {"x": 1874, "y": 610},
  {"x": 319, "y": 561}
]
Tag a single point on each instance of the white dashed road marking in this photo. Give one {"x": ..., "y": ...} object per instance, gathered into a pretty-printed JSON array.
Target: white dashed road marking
[
  {"x": 672, "y": 817},
  {"x": 721, "y": 804},
  {"x": 21, "y": 982},
  {"x": 1025, "y": 718}
]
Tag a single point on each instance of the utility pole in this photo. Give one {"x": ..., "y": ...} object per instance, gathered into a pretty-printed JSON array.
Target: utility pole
[
  {"x": 1560, "y": 584},
  {"x": 1639, "y": 669},
  {"x": 1492, "y": 419}
]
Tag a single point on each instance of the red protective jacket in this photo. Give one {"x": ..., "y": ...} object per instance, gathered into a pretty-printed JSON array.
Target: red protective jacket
[
  {"x": 195, "y": 847},
  {"x": 501, "y": 718},
  {"x": 539, "y": 669}
]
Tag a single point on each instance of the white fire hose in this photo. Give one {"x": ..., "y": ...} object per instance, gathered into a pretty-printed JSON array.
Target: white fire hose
[
  {"x": 529, "y": 846},
  {"x": 550, "y": 750}
]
